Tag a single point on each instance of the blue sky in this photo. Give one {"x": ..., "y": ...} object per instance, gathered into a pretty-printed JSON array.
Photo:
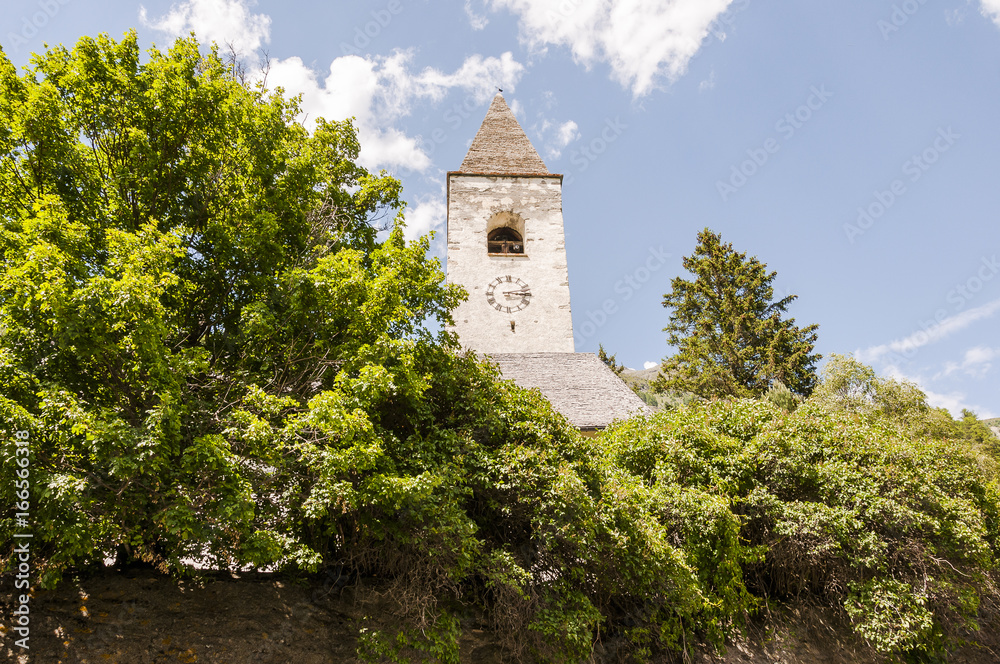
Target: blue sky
[{"x": 851, "y": 146}]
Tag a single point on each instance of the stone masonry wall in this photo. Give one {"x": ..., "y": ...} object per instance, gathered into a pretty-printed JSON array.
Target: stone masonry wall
[{"x": 546, "y": 324}]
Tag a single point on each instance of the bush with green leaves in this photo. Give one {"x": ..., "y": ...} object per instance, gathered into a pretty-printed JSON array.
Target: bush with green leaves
[
  {"x": 217, "y": 356},
  {"x": 900, "y": 530},
  {"x": 782, "y": 397},
  {"x": 177, "y": 250}
]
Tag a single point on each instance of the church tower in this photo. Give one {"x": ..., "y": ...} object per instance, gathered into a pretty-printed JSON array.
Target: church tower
[{"x": 506, "y": 244}]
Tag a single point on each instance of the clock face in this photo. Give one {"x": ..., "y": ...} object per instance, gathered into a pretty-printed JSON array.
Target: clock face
[{"x": 508, "y": 294}]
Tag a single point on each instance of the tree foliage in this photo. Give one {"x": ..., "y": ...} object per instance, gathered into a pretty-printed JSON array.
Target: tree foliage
[
  {"x": 886, "y": 514},
  {"x": 730, "y": 334},
  {"x": 178, "y": 251},
  {"x": 217, "y": 357},
  {"x": 611, "y": 361}
]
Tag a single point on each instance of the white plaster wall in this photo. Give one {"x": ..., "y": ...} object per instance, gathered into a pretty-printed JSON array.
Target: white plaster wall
[{"x": 546, "y": 324}]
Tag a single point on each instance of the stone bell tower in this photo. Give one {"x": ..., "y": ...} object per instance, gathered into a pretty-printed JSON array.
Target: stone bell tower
[
  {"x": 506, "y": 247},
  {"x": 506, "y": 244}
]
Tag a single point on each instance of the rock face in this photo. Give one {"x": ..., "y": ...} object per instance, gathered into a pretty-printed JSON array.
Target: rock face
[{"x": 263, "y": 619}]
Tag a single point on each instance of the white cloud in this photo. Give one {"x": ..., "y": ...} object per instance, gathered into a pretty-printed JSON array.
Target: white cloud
[
  {"x": 478, "y": 76},
  {"x": 428, "y": 215},
  {"x": 953, "y": 402},
  {"x": 564, "y": 134},
  {"x": 568, "y": 132},
  {"x": 991, "y": 9},
  {"x": 222, "y": 21},
  {"x": 354, "y": 87},
  {"x": 908, "y": 345},
  {"x": 650, "y": 365},
  {"x": 977, "y": 362},
  {"x": 644, "y": 41},
  {"x": 553, "y": 134},
  {"x": 708, "y": 83},
  {"x": 379, "y": 91},
  {"x": 376, "y": 91},
  {"x": 979, "y": 355},
  {"x": 477, "y": 21},
  {"x": 956, "y": 16}
]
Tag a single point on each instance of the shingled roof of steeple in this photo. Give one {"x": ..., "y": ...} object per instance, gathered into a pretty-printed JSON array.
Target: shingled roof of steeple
[{"x": 501, "y": 146}]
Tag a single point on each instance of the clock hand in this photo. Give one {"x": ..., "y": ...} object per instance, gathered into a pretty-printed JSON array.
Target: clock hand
[{"x": 517, "y": 292}]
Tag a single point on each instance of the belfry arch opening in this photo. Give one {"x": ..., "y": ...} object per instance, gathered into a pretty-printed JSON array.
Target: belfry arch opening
[
  {"x": 505, "y": 235},
  {"x": 505, "y": 242}
]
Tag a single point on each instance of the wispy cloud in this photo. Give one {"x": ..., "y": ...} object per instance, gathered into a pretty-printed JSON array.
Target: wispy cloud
[
  {"x": 977, "y": 362},
  {"x": 563, "y": 135},
  {"x": 555, "y": 135},
  {"x": 476, "y": 20},
  {"x": 708, "y": 83},
  {"x": 953, "y": 402},
  {"x": 428, "y": 215},
  {"x": 947, "y": 327}
]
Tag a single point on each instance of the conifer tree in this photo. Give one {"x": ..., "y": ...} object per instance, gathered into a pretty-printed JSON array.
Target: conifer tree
[
  {"x": 730, "y": 334},
  {"x": 610, "y": 360}
]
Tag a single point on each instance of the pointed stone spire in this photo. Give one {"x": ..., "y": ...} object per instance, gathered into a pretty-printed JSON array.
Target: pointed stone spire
[{"x": 501, "y": 146}]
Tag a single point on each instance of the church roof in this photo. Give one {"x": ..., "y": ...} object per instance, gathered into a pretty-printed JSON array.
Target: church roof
[
  {"x": 578, "y": 385},
  {"x": 501, "y": 146}
]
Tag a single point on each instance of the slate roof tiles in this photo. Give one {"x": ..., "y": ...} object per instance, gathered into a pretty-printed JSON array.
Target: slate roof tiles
[
  {"x": 578, "y": 385},
  {"x": 501, "y": 146}
]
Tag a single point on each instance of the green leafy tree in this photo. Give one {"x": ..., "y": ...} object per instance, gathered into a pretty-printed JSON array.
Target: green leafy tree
[
  {"x": 178, "y": 250},
  {"x": 781, "y": 396},
  {"x": 730, "y": 334},
  {"x": 852, "y": 386},
  {"x": 216, "y": 356},
  {"x": 840, "y": 506}
]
